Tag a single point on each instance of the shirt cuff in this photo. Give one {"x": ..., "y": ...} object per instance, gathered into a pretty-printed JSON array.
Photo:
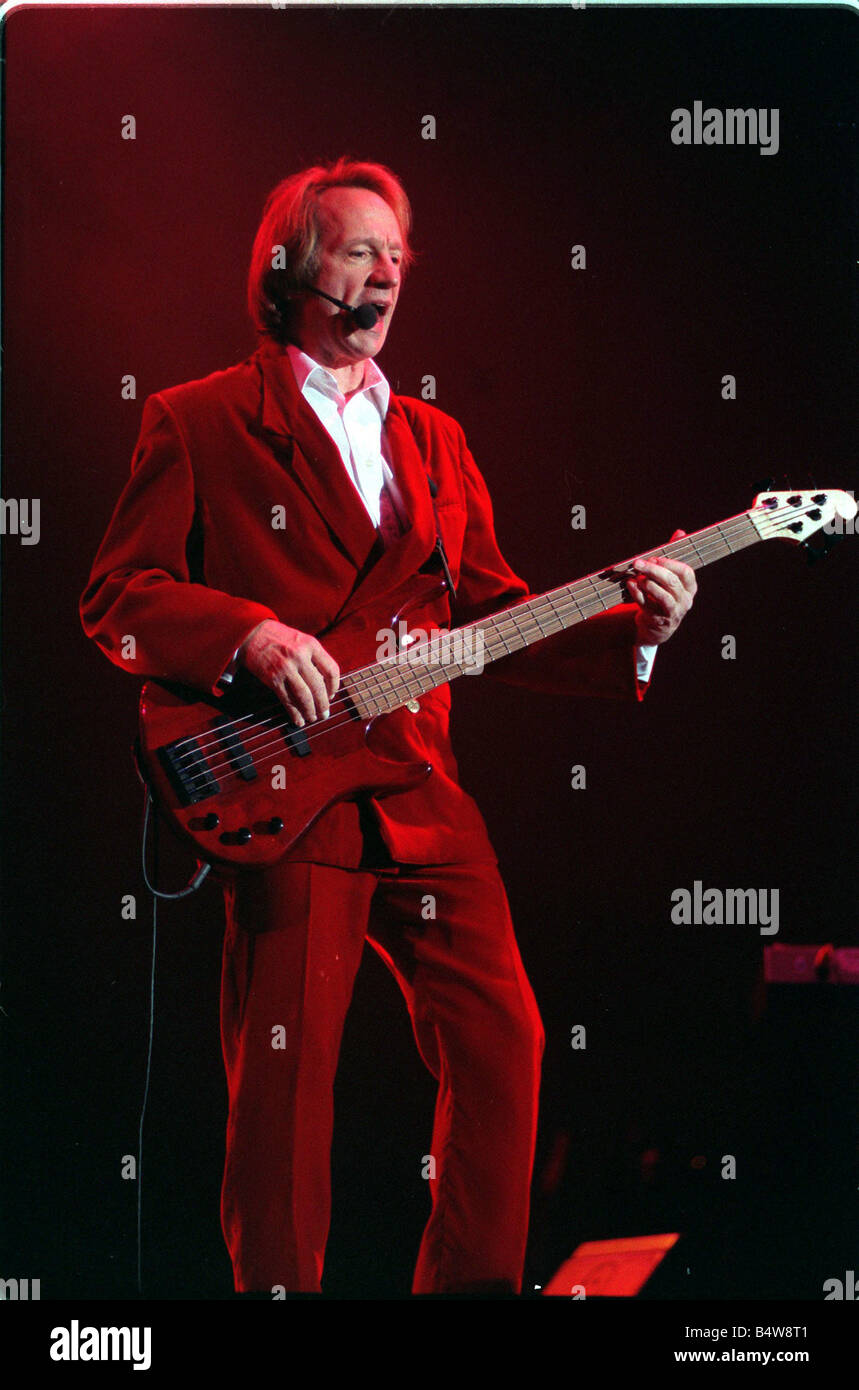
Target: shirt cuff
[
  {"x": 644, "y": 657},
  {"x": 227, "y": 676}
]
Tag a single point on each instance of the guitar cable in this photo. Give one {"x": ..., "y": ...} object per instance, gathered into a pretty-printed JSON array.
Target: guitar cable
[
  {"x": 193, "y": 883},
  {"x": 191, "y": 887}
]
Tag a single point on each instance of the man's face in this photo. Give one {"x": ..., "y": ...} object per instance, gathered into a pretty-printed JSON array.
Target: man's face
[{"x": 360, "y": 253}]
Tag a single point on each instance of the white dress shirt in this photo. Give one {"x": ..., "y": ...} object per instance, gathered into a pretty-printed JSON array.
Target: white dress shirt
[{"x": 355, "y": 425}]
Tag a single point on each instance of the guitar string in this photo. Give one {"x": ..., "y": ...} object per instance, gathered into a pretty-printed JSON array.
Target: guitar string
[
  {"x": 607, "y": 588},
  {"x": 417, "y": 674},
  {"x": 375, "y": 684},
  {"x": 358, "y": 671},
  {"x": 386, "y": 670},
  {"x": 256, "y": 749},
  {"x": 252, "y": 745},
  {"x": 416, "y": 657}
]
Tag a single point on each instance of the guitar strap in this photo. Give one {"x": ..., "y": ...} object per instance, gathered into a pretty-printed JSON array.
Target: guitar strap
[
  {"x": 433, "y": 490},
  {"x": 439, "y": 543}
]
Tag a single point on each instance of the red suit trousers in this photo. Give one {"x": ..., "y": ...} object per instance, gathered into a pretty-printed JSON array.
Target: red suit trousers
[{"x": 293, "y": 944}]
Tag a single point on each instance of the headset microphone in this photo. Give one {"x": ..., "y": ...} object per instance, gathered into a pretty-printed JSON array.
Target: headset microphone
[{"x": 365, "y": 315}]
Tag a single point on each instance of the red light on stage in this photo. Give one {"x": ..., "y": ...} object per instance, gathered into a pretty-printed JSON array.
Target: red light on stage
[{"x": 610, "y": 1268}]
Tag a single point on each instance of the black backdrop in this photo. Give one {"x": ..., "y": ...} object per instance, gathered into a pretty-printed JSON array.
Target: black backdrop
[{"x": 599, "y": 387}]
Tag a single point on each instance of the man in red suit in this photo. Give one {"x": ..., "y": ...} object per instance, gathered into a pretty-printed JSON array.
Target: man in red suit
[{"x": 270, "y": 505}]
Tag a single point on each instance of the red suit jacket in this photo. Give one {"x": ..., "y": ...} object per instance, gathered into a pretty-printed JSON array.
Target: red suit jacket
[{"x": 191, "y": 563}]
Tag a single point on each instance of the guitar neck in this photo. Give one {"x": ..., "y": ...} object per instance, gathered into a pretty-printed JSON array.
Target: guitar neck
[{"x": 389, "y": 683}]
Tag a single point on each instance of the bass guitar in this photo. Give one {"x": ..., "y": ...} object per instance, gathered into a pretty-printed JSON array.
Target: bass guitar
[{"x": 242, "y": 782}]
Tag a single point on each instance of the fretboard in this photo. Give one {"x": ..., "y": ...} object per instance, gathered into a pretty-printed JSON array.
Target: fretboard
[{"x": 392, "y": 682}]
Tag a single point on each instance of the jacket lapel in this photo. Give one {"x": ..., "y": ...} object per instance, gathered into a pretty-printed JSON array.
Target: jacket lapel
[
  {"x": 311, "y": 455},
  {"x": 405, "y": 555},
  {"x": 314, "y": 460}
]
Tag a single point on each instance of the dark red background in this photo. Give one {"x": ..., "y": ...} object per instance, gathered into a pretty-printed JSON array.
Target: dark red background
[{"x": 599, "y": 387}]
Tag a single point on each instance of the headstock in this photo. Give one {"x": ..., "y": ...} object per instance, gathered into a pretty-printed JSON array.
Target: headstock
[{"x": 796, "y": 516}]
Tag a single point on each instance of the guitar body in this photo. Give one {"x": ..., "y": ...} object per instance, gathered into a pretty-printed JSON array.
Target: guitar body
[
  {"x": 284, "y": 800},
  {"x": 239, "y": 781}
]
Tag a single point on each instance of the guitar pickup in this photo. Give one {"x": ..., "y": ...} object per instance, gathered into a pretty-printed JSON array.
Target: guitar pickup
[
  {"x": 235, "y": 750},
  {"x": 296, "y": 740},
  {"x": 187, "y": 771}
]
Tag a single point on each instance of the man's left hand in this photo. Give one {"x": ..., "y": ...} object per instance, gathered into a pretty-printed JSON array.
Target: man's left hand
[{"x": 664, "y": 590}]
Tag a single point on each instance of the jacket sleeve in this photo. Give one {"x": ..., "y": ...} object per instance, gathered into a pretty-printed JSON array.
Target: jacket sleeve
[
  {"x": 142, "y": 605},
  {"x": 596, "y": 657}
]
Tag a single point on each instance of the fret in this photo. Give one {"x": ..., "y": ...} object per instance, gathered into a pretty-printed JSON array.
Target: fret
[
  {"x": 527, "y": 621},
  {"x": 547, "y": 618},
  {"x": 378, "y": 688},
  {"x": 695, "y": 547},
  {"x": 578, "y": 602},
  {"x": 605, "y": 596},
  {"x": 553, "y": 604},
  {"x": 496, "y": 647},
  {"x": 355, "y": 689},
  {"x": 223, "y": 770},
  {"x": 539, "y": 621}
]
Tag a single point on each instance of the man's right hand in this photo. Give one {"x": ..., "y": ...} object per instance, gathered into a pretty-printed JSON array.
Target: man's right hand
[{"x": 295, "y": 666}]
